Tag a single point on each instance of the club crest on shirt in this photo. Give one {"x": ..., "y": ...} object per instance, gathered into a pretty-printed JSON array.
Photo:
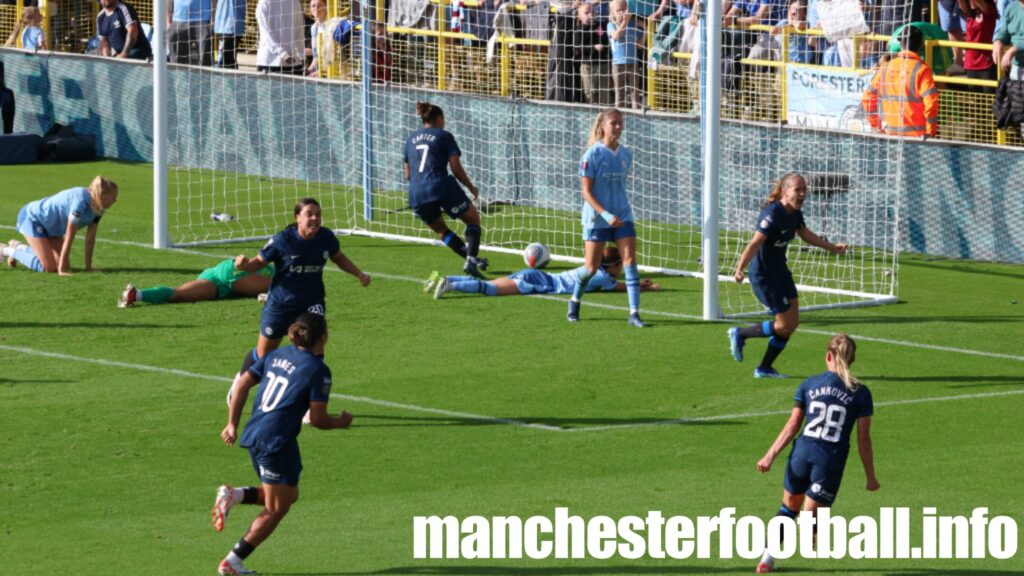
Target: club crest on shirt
[
  {"x": 583, "y": 166},
  {"x": 326, "y": 255}
]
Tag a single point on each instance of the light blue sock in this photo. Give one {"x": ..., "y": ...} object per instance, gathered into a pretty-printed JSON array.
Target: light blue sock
[
  {"x": 582, "y": 278},
  {"x": 473, "y": 286},
  {"x": 28, "y": 258},
  {"x": 633, "y": 287}
]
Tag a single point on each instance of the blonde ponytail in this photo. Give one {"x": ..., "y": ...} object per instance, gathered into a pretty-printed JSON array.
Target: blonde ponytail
[
  {"x": 787, "y": 181},
  {"x": 597, "y": 130},
  {"x": 844, "y": 352}
]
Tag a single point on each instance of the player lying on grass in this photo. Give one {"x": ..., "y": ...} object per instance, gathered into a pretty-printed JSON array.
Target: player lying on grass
[
  {"x": 291, "y": 381},
  {"x": 832, "y": 403},
  {"x": 531, "y": 281},
  {"x": 214, "y": 283}
]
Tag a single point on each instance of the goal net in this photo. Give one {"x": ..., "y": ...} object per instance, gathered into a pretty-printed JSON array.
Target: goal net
[{"x": 517, "y": 97}]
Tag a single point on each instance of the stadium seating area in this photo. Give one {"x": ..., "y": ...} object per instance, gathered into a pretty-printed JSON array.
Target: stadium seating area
[{"x": 450, "y": 53}]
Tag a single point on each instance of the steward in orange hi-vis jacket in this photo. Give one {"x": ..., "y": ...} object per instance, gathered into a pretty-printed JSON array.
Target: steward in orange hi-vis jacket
[{"x": 905, "y": 88}]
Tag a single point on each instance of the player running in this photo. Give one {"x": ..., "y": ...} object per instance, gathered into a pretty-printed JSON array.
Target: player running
[
  {"x": 298, "y": 253},
  {"x": 832, "y": 402},
  {"x": 215, "y": 283},
  {"x": 532, "y": 281},
  {"x": 291, "y": 381},
  {"x": 607, "y": 215},
  {"x": 428, "y": 153},
  {"x": 779, "y": 221}
]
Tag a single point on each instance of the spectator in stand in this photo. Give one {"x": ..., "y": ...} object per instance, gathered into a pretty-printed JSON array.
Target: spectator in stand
[
  {"x": 951, "y": 19},
  {"x": 190, "y": 31},
  {"x": 981, "y": 25},
  {"x": 29, "y": 30},
  {"x": 1008, "y": 38},
  {"x": 676, "y": 32},
  {"x": 902, "y": 99},
  {"x": 737, "y": 39},
  {"x": 625, "y": 39},
  {"x": 563, "y": 79},
  {"x": 382, "y": 53},
  {"x": 229, "y": 26},
  {"x": 800, "y": 51},
  {"x": 595, "y": 56},
  {"x": 282, "y": 44},
  {"x": 120, "y": 33},
  {"x": 6, "y": 103},
  {"x": 318, "y": 8}
]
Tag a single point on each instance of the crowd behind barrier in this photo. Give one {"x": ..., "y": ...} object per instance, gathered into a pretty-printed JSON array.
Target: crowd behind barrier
[{"x": 634, "y": 54}]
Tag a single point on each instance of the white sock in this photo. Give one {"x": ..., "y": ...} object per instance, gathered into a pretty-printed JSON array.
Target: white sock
[
  {"x": 237, "y": 494},
  {"x": 767, "y": 559},
  {"x": 233, "y": 558}
]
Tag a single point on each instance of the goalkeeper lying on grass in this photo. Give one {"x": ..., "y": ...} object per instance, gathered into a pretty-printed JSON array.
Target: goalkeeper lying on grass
[
  {"x": 532, "y": 281},
  {"x": 214, "y": 283}
]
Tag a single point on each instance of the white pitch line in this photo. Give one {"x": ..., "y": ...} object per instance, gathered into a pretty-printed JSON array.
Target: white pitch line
[
  {"x": 674, "y": 315},
  {"x": 227, "y": 380},
  {"x": 493, "y": 419}
]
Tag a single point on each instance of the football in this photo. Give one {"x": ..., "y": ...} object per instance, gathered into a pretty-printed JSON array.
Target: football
[{"x": 536, "y": 255}]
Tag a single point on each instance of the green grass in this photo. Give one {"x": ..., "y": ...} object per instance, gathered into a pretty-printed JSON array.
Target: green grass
[{"x": 106, "y": 468}]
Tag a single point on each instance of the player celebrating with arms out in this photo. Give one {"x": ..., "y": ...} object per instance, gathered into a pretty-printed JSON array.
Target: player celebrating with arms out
[
  {"x": 832, "y": 402},
  {"x": 428, "y": 153},
  {"x": 607, "y": 215},
  {"x": 299, "y": 253},
  {"x": 291, "y": 381},
  {"x": 779, "y": 221}
]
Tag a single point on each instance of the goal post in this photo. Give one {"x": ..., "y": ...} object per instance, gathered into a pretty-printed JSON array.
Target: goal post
[{"x": 246, "y": 146}]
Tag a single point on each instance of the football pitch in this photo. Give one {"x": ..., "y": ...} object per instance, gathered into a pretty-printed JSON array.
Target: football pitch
[{"x": 110, "y": 453}]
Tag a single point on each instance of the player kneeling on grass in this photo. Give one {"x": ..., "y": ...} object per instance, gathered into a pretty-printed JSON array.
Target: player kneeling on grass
[
  {"x": 291, "y": 381},
  {"x": 49, "y": 226},
  {"x": 832, "y": 402},
  {"x": 532, "y": 281},
  {"x": 214, "y": 283}
]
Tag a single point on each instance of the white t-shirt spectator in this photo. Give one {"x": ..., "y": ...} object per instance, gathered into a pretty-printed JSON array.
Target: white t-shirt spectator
[{"x": 281, "y": 40}]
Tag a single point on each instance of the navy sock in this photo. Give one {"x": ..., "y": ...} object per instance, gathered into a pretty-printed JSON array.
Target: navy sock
[
  {"x": 776, "y": 344},
  {"x": 243, "y": 549},
  {"x": 472, "y": 240},
  {"x": 250, "y": 359},
  {"x": 783, "y": 511},
  {"x": 250, "y": 495},
  {"x": 759, "y": 330},
  {"x": 452, "y": 241}
]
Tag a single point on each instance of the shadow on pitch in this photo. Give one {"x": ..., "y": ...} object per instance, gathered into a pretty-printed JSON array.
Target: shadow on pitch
[
  {"x": 17, "y": 381},
  {"x": 90, "y": 325},
  {"x": 952, "y": 265},
  {"x": 810, "y": 320},
  {"x": 968, "y": 381},
  {"x": 140, "y": 270},
  {"x": 563, "y": 423}
]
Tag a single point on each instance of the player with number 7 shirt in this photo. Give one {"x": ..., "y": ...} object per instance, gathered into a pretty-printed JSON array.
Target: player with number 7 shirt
[{"x": 832, "y": 403}]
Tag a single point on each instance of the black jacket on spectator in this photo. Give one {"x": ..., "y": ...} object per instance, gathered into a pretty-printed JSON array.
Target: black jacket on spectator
[
  {"x": 589, "y": 36},
  {"x": 1008, "y": 107},
  {"x": 564, "y": 82},
  {"x": 6, "y": 103}
]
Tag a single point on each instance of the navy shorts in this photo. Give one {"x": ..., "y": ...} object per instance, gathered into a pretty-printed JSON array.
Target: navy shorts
[
  {"x": 814, "y": 471},
  {"x": 609, "y": 234},
  {"x": 281, "y": 467},
  {"x": 274, "y": 322},
  {"x": 775, "y": 292},
  {"x": 532, "y": 282},
  {"x": 453, "y": 202}
]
